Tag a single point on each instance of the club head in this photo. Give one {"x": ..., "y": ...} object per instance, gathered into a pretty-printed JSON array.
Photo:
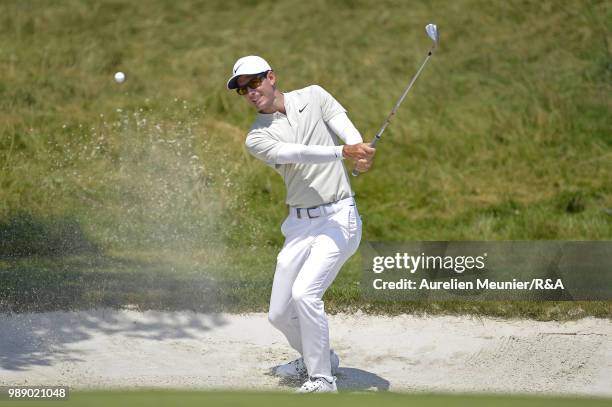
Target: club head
[{"x": 432, "y": 31}]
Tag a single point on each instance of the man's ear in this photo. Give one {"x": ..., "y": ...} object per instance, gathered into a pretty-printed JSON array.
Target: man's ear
[{"x": 272, "y": 78}]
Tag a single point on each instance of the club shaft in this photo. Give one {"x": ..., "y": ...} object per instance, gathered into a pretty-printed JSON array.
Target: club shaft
[
  {"x": 397, "y": 105},
  {"x": 399, "y": 102}
]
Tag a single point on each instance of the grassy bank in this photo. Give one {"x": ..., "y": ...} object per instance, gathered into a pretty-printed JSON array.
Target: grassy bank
[
  {"x": 507, "y": 135},
  {"x": 203, "y": 281}
]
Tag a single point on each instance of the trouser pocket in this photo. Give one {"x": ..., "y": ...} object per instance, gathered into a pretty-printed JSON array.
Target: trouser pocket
[{"x": 354, "y": 226}]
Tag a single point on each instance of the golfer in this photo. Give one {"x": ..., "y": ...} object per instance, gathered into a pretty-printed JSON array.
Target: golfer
[{"x": 298, "y": 134}]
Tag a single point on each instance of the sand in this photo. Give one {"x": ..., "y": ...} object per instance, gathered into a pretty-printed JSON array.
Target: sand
[{"x": 130, "y": 349}]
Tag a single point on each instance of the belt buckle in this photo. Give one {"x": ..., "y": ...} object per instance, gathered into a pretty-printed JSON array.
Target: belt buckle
[
  {"x": 313, "y": 217},
  {"x": 298, "y": 212}
]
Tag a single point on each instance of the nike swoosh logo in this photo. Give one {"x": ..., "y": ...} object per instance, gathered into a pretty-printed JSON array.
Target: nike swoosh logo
[{"x": 302, "y": 109}]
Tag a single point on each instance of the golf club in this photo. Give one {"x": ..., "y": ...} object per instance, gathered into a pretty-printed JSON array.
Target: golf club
[{"x": 432, "y": 32}]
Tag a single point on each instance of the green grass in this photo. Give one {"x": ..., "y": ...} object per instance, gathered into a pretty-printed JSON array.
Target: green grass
[
  {"x": 218, "y": 399},
  {"x": 506, "y": 136},
  {"x": 203, "y": 281}
]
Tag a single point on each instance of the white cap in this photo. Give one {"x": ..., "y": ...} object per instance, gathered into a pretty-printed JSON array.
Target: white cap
[{"x": 249, "y": 65}]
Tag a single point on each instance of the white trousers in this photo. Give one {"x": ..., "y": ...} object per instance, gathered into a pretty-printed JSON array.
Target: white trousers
[{"x": 314, "y": 251}]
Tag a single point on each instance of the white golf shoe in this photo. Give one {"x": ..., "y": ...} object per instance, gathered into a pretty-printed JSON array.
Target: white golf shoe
[
  {"x": 318, "y": 385},
  {"x": 297, "y": 368}
]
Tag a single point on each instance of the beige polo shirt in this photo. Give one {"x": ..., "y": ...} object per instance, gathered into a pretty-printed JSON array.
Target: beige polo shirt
[{"x": 308, "y": 110}]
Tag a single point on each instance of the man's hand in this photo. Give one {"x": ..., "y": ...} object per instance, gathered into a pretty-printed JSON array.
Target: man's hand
[
  {"x": 363, "y": 165},
  {"x": 357, "y": 152},
  {"x": 362, "y": 154}
]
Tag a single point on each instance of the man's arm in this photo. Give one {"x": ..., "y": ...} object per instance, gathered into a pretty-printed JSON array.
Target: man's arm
[
  {"x": 276, "y": 152},
  {"x": 344, "y": 128},
  {"x": 335, "y": 116},
  {"x": 289, "y": 153}
]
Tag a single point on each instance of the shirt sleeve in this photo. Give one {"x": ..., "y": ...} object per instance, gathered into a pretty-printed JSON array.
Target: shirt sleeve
[
  {"x": 329, "y": 106},
  {"x": 262, "y": 146},
  {"x": 290, "y": 153},
  {"x": 275, "y": 152},
  {"x": 344, "y": 128}
]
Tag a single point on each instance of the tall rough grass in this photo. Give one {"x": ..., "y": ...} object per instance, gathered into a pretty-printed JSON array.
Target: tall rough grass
[{"x": 507, "y": 134}]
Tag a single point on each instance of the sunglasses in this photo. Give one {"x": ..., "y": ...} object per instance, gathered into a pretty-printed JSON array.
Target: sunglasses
[{"x": 253, "y": 83}]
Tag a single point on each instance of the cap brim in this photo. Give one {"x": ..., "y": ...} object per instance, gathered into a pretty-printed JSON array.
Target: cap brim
[{"x": 233, "y": 82}]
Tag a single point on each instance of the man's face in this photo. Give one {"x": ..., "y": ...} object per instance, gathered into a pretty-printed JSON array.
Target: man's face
[{"x": 262, "y": 97}]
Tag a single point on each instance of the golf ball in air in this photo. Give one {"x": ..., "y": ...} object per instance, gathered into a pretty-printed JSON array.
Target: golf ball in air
[{"x": 119, "y": 77}]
